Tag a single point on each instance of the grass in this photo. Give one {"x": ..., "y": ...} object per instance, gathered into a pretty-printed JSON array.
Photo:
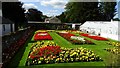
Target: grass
[{"x": 20, "y": 58}]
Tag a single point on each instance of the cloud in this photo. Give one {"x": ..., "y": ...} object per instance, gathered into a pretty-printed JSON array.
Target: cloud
[
  {"x": 51, "y": 12},
  {"x": 27, "y": 6},
  {"x": 54, "y": 3},
  {"x": 29, "y": 0},
  {"x": 116, "y": 16}
]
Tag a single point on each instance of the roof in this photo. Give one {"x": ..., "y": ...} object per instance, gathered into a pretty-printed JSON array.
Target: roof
[
  {"x": 53, "y": 20},
  {"x": 5, "y": 21},
  {"x": 99, "y": 24}
]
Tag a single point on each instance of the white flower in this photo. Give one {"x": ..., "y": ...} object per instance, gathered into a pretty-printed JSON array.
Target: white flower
[{"x": 77, "y": 38}]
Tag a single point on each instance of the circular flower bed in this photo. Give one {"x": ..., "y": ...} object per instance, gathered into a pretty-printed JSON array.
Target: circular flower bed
[{"x": 49, "y": 52}]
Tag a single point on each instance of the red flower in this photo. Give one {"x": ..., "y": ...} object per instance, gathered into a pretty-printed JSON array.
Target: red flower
[
  {"x": 94, "y": 37},
  {"x": 42, "y": 36}
]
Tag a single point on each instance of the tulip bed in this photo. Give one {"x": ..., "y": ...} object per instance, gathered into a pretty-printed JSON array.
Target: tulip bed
[
  {"x": 94, "y": 37},
  {"x": 114, "y": 44},
  {"x": 75, "y": 39},
  {"x": 42, "y": 36},
  {"x": 47, "y": 52},
  {"x": 113, "y": 50}
]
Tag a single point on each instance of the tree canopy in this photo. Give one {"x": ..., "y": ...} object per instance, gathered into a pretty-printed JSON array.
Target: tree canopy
[
  {"x": 35, "y": 15},
  {"x": 14, "y": 12},
  {"x": 79, "y": 12}
]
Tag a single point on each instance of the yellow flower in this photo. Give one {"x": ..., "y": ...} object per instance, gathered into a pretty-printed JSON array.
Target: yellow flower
[
  {"x": 71, "y": 59},
  {"x": 86, "y": 57},
  {"x": 92, "y": 58},
  {"x": 80, "y": 58},
  {"x": 60, "y": 58},
  {"x": 67, "y": 51},
  {"x": 38, "y": 43},
  {"x": 29, "y": 57},
  {"x": 47, "y": 61},
  {"x": 77, "y": 58},
  {"x": 33, "y": 61},
  {"x": 39, "y": 62}
]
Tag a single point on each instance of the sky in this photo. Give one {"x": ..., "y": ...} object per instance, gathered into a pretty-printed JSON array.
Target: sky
[
  {"x": 53, "y": 7},
  {"x": 48, "y": 7}
]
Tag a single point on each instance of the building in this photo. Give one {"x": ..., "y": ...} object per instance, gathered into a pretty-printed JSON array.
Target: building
[
  {"x": 102, "y": 28},
  {"x": 52, "y": 20},
  {"x": 6, "y": 26}
]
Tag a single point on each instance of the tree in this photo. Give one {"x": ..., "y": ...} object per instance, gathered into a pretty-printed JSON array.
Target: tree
[
  {"x": 62, "y": 17},
  {"x": 76, "y": 12},
  {"x": 81, "y": 11},
  {"x": 107, "y": 10},
  {"x": 35, "y": 15},
  {"x": 116, "y": 19},
  {"x": 14, "y": 12}
]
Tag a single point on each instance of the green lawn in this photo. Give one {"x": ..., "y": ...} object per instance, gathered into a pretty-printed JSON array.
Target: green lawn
[{"x": 20, "y": 58}]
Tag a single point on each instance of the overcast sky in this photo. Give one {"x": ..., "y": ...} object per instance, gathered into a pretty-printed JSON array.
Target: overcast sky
[{"x": 51, "y": 7}]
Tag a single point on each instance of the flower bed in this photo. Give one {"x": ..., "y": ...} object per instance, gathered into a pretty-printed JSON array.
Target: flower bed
[
  {"x": 114, "y": 44},
  {"x": 9, "y": 52},
  {"x": 44, "y": 54},
  {"x": 42, "y": 36},
  {"x": 75, "y": 39},
  {"x": 93, "y": 37},
  {"x": 113, "y": 50},
  {"x": 77, "y": 32}
]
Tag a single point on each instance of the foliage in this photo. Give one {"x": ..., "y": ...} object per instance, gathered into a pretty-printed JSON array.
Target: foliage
[
  {"x": 80, "y": 12},
  {"x": 35, "y": 15},
  {"x": 14, "y": 12},
  {"x": 107, "y": 10},
  {"x": 116, "y": 19},
  {"x": 10, "y": 52}
]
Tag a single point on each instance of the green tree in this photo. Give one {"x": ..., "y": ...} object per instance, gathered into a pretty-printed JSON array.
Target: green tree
[
  {"x": 62, "y": 17},
  {"x": 35, "y": 15},
  {"x": 81, "y": 11},
  {"x": 76, "y": 12},
  {"x": 116, "y": 19},
  {"x": 107, "y": 10}
]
